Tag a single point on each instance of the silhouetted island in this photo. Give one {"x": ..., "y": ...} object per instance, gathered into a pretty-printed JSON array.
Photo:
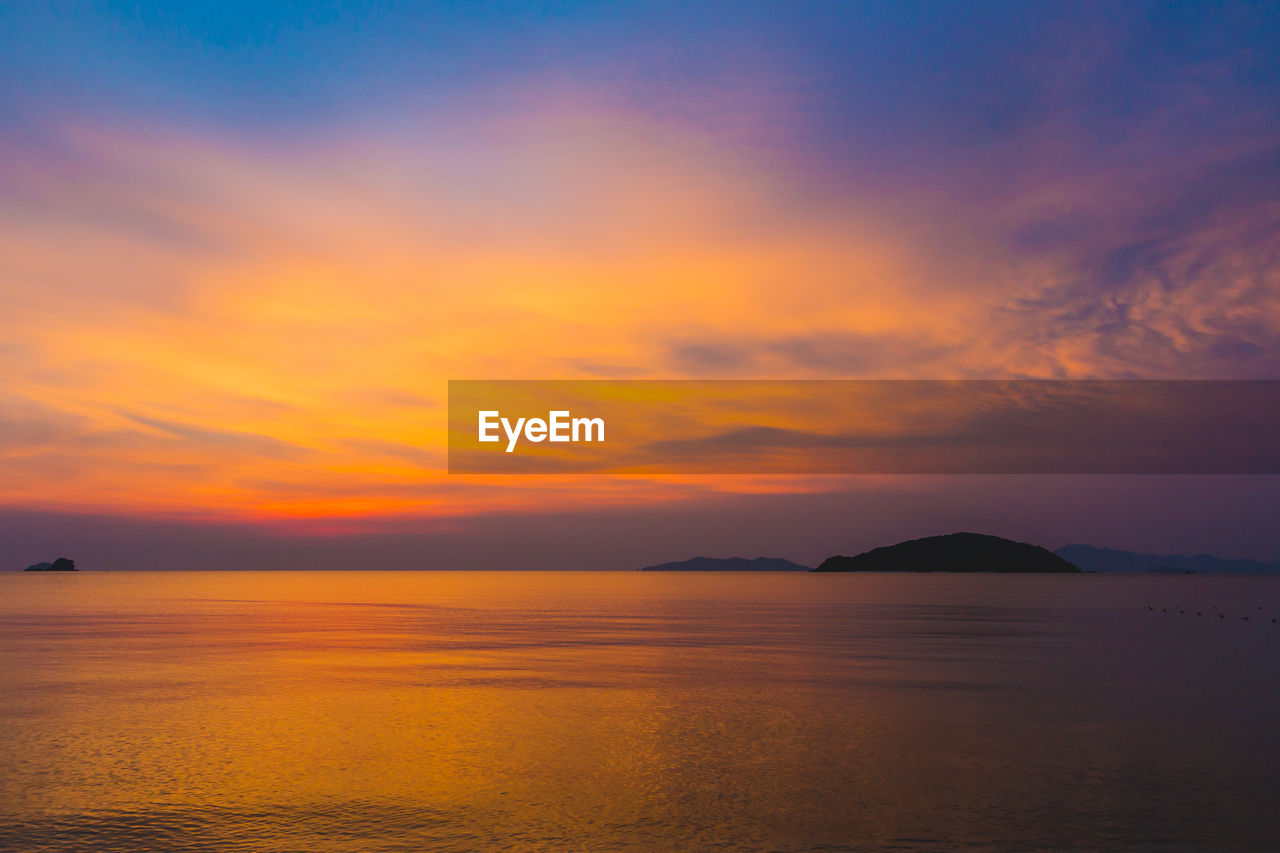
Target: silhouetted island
[
  {"x": 62, "y": 564},
  {"x": 954, "y": 552},
  {"x": 729, "y": 564}
]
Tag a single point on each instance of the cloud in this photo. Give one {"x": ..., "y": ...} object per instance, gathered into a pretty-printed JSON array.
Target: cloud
[
  {"x": 1182, "y": 283},
  {"x": 836, "y": 354},
  {"x": 215, "y": 440},
  {"x": 425, "y": 457},
  {"x": 288, "y": 310},
  {"x": 27, "y": 425}
]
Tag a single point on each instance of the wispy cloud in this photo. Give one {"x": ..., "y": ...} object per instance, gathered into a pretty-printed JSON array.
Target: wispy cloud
[{"x": 195, "y": 304}]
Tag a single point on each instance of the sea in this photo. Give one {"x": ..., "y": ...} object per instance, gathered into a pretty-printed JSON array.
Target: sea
[{"x": 627, "y": 711}]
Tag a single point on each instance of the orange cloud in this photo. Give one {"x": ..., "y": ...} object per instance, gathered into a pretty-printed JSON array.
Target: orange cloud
[{"x": 215, "y": 327}]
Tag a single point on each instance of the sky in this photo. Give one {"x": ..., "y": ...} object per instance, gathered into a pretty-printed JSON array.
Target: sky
[{"x": 243, "y": 247}]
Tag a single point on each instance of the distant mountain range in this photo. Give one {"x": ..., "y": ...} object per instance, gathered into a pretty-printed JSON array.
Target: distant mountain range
[
  {"x": 1091, "y": 559},
  {"x": 976, "y": 552},
  {"x": 729, "y": 564}
]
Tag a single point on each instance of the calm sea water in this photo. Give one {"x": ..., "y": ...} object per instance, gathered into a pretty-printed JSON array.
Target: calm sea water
[{"x": 246, "y": 711}]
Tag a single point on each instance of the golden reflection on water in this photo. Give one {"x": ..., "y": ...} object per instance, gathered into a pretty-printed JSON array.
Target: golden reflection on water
[{"x": 393, "y": 711}]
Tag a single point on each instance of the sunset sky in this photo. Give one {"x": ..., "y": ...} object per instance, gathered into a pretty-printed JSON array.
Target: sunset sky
[{"x": 243, "y": 246}]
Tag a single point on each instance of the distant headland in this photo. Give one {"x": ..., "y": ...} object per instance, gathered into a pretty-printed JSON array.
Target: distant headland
[
  {"x": 729, "y": 564},
  {"x": 975, "y": 552},
  {"x": 954, "y": 552},
  {"x": 62, "y": 564},
  {"x": 1109, "y": 560}
]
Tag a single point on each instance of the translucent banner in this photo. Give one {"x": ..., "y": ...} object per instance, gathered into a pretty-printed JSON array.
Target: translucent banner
[{"x": 863, "y": 427}]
